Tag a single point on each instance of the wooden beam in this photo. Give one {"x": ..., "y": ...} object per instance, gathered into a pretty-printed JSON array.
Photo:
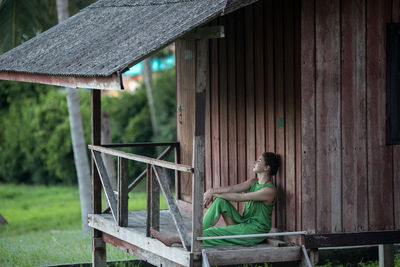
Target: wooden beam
[
  {"x": 386, "y": 255},
  {"x": 149, "y": 246},
  {"x": 151, "y": 258},
  {"x": 352, "y": 239},
  {"x": 202, "y": 76},
  {"x": 251, "y": 235},
  {"x": 210, "y": 32},
  {"x": 178, "y": 176},
  {"x": 122, "y": 211},
  {"x": 305, "y": 260},
  {"x": 143, "y": 159},
  {"x": 204, "y": 259},
  {"x": 173, "y": 208},
  {"x": 98, "y": 247},
  {"x": 105, "y": 180},
  {"x": 149, "y": 173},
  {"x": 112, "y": 82},
  {"x": 142, "y": 144},
  {"x": 222, "y": 255},
  {"x": 154, "y": 203}
]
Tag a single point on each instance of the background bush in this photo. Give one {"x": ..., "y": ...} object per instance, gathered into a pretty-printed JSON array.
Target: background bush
[{"x": 35, "y": 142}]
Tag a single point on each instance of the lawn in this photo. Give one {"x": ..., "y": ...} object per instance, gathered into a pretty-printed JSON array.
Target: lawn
[{"x": 44, "y": 226}]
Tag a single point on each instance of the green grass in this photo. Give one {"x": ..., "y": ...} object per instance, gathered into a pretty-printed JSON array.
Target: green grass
[{"x": 44, "y": 226}]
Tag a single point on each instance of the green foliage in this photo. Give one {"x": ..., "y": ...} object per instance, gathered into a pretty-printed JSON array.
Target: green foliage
[
  {"x": 165, "y": 104},
  {"x": 35, "y": 141},
  {"x": 21, "y": 20}
]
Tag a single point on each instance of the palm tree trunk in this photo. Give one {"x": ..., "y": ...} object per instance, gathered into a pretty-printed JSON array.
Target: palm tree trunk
[
  {"x": 147, "y": 76},
  {"x": 78, "y": 140},
  {"x": 108, "y": 159}
]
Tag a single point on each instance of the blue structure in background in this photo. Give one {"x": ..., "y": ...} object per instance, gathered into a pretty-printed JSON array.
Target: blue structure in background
[{"x": 156, "y": 65}]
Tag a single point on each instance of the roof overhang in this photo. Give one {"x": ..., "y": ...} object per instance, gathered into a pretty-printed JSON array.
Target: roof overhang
[
  {"x": 92, "y": 48},
  {"x": 112, "y": 82}
]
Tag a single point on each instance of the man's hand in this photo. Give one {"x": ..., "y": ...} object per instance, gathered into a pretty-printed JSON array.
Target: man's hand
[{"x": 208, "y": 197}]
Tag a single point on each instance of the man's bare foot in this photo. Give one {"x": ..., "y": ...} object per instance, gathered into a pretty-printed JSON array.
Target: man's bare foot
[{"x": 168, "y": 240}]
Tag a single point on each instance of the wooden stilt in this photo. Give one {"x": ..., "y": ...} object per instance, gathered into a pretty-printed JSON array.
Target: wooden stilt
[
  {"x": 99, "y": 258},
  {"x": 148, "y": 201},
  {"x": 122, "y": 214},
  {"x": 386, "y": 255},
  {"x": 314, "y": 256},
  {"x": 155, "y": 203},
  {"x": 202, "y": 67},
  {"x": 305, "y": 260}
]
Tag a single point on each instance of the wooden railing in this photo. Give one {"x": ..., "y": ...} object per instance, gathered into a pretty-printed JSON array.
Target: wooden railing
[{"x": 118, "y": 200}]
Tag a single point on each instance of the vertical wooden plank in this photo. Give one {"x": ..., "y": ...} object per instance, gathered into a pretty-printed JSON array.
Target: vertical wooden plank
[
  {"x": 259, "y": 78},
  {"x": 289, "y": 116},
  {"x": 178, "y": 60},
  {"x": 215, "y": 114},
  {"x": 232, "y": 124},
  {"x": 202, "y": 74},
  {"x": 269, "y": 82},
  {"x": 149, "y": 174},
  {"x": 249, "y": 82},
  {"x": 186, "y": 86},
  {"x": 297, "y": 86},
  {"x": 223, "y": 107},
  {"x": 155, "y": 203},
  {"x": 354, "y": 157},
  {"x": 328, "y": 110},
  {"x": 308, "y": 163},
  {"x": 379, "y": 155},
  {"x": 386, "y": 255},
  {"x": 269, "y": 75},
  {"x": 99, "y": 257},
  {"x": 178, "y": 187},
  {"x": 280, "y": 112},
  {"x": 208, "y": 136},
  {"x": 396, "y": 148},
  {"x": 122, "y": 192},
  {"x": 240, "y": 98}
]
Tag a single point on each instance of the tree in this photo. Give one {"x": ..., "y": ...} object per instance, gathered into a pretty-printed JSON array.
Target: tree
[
  {"x": 77, "y": 137},
  {"x": 147, "y": 77}
]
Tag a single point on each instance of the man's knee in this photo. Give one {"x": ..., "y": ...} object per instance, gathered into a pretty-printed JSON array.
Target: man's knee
[{"x": 220, "y": 202}]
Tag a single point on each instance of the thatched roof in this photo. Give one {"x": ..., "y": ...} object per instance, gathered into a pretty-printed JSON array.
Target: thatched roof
[{"x": 109, "y": 36}]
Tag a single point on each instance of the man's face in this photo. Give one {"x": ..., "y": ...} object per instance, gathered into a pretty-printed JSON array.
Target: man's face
[{"x": 259, "y": 165}]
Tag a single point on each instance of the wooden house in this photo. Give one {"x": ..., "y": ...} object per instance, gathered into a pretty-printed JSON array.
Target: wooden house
[{"x": 315, "y": 81}]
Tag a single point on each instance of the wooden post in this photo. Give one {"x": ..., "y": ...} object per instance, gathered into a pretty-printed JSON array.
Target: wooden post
[
  {"x": 98, "y": 246},
  {"x": 198, "y": 143},
  {"x": 177, "y": 173},
  {"x": 122, "y": 213},
  {"x": 155, "y": 203},
  {"x": 386, "y": 255},
  {"x": 148, "y": 202}
]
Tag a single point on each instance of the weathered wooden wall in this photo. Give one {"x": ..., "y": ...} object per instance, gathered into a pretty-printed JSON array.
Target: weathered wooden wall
[
  {"x": 306, "y": 79},
  {"x": 251, "y": 101},
  {"x": 350, "y": 177}
]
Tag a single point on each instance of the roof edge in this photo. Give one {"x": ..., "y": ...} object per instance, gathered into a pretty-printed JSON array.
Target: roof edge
[{"x": 112, "y": 82}]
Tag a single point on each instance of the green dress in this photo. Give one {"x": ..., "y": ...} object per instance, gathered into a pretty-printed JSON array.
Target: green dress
[{"x": 256, "y": 219}]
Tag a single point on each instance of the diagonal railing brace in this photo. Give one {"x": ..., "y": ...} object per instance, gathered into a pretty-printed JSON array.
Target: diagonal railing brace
[
  {"x": 105, "y": 180},
  {"x": 173, "y": 207}
]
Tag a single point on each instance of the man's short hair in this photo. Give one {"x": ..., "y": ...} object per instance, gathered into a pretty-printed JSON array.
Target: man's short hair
[{"x": 272, "y": 160}]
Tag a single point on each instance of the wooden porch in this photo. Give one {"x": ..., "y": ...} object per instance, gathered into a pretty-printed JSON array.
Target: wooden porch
[
  {"x": 133, "y": 240},
  {"x": 130, "y": 230}
]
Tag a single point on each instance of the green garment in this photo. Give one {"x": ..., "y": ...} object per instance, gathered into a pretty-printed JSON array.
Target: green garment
[{"x": 256, "y": 219}]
